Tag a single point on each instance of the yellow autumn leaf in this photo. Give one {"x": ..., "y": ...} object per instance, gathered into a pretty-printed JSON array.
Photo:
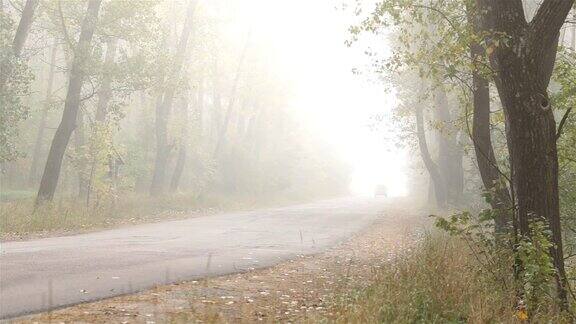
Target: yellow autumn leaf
[{"x": 522, "y": 315}]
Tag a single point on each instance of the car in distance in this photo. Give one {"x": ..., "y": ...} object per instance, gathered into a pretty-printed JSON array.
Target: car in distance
[{"x": 380, "y": 191}]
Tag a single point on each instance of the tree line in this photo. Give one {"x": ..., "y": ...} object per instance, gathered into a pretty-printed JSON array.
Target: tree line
[
  {"x": 497, "y": 78},
  {"x": 102, "y": 97}
]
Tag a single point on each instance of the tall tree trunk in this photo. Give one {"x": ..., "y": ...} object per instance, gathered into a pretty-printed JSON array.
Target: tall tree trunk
[
  {"x": 449, "y": 153},
  {"x": 105, "y": 93},
  {"x": 179, "y": 169},
  {"x": 182, "y": 149},
  {"x": 231, "y": 100},
  {"x": 523, "y": 70},
  {"x": 81, "y": 158},
  {"x": 146, "y": 139},
  {"x": 439, "y": 185},
  {"x": 51, "y": 173},
  {"x": 100, "y": 128},
  {"x": 197, "y": 121},
  {"x": 492, "y": 180},
  {"x": 24, "y": 26},
  {"x": 19, "y": 38},
  {"x": 251, "y": 137},
  {"x": 200, "y": 102},
  {"x": 163, "y": 110},
  {"x": 32, "y": 176},
  {"x": 216, "y": 119}
]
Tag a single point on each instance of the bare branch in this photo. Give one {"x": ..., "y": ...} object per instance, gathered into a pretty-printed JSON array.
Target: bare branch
[{"x": 563, "y": 122}]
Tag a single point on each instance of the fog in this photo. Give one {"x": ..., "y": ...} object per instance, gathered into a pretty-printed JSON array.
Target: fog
[
  {"x": 268, "y": 101},
  {"x": 347, "y": 161},
  {"x": 351, "y": 112}
]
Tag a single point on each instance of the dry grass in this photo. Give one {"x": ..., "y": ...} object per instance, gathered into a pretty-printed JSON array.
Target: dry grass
[
  {"x": 20, "y": 220},
  {"x": 438, "y": 281}
]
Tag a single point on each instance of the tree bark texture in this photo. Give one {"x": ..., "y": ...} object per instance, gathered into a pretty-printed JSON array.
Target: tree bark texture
[
  {"x": 492, "y": 180},
  {"x": 523, "y": 68}
]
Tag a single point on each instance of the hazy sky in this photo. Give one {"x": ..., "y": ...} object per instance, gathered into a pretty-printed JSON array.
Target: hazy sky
[{"x": 307, "y": 38}]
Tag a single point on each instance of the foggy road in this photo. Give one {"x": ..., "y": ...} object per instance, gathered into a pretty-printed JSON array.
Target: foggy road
[{"x": 54, "y": 272}]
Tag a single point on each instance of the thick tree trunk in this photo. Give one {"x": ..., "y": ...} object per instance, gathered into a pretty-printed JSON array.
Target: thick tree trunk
[
  {"x": 492, "y": 180},
  {"x": 487, "y": 164},
  {"x": 51, "y": 173},
  {"x": 32, "y": 176},
  {"x": 531, "y": 135},
  {"x": 163, "y": 110},
  {"x": 523, "y": 69},
  {"x": 435, "y": 176}
]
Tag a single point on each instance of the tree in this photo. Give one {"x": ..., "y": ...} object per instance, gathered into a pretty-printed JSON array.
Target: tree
[
  {"x": 60, "y": 141},
  {"x": 491, "y": 176},
  {"x": 19, "y": 38},
  {"x": 101, "y": 138},
  {"x": 231, "y": 100},
  {"x": 523, "y": 59},
  {"x": 105, "y": 93},
  {"x": 32, "y": 176},
  {"x": 164, "y": 107},
  {"x": 449, "y": 152},
  {"x": 435, "y": 175},
  {"x": 182, "y": 147},
  {"x": 15, "y": 78}
]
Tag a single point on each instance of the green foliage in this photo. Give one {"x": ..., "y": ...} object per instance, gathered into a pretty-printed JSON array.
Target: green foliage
[
  {"x": 477, "y": 231},
  {"x": 564, "y": 101},
  {"x": 18, "y": 76},
  {"x": 537, "y": 268},
  {"x": 531, "y": 254}
]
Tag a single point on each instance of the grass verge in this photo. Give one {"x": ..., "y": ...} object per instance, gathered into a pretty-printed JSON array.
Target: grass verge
[
  {"x": 19, "y": 219},
  {"x": 438, "y": 281}
]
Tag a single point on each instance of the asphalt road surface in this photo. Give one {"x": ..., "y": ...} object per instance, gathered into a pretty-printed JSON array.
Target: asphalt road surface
[{"x": 54, "y": 272}]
